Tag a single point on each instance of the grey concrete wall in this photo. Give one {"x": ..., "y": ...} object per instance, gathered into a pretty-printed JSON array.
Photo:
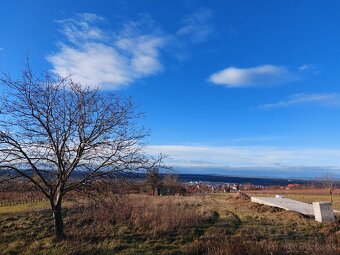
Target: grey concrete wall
[{"x": 323, "y": 212}]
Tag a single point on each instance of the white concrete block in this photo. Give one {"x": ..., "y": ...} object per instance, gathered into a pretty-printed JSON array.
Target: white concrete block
[{"x": 323, "y": 212}]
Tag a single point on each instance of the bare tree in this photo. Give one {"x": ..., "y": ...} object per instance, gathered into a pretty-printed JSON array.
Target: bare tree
[
  {"x": 171, "y": 179},
  {"x": 328, "y": 182},
  {"x": 153, "y": 179},
  {"x": 60, "y": 136}
]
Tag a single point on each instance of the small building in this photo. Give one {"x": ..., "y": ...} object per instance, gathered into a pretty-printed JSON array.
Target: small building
[
  {"x": 293, "y": 186},
  {"x": 165, "y": 191}
]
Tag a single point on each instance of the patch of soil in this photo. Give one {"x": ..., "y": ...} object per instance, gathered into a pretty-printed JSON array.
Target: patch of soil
[
  {"x": 294, "y": 215},
  {"x": 265, "y": 208},
  {"x": 242, "y": 196}
]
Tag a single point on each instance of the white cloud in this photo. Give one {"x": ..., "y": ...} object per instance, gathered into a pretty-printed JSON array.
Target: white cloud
[
  {"x": 248, "y": 156},
  {"x": 108, "y": 58},
  {"x": 329, "y": 99},
  {"x": 198, "y": 26},
  {"x": 97, "y": 55},
  {"x": 263, "y": 75}
]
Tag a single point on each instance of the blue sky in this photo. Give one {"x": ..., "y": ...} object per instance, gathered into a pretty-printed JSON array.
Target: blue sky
[{"x": 228, "y": 87}]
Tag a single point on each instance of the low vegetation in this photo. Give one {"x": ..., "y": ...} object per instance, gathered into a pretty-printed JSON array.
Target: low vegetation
[{"x": 219, "y": 223}]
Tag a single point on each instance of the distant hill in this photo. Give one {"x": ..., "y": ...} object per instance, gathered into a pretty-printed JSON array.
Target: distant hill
[{"x": 240, "y": 180}]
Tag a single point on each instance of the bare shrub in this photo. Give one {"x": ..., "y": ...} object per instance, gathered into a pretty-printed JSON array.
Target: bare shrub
[
  {"x": 161, "y": 217},
  {"x": 239, "y": 245}
]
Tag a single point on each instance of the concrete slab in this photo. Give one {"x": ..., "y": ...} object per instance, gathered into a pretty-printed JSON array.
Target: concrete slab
[
  {"x": 285, "y": 203},
  {"x": 322, "y": 211}
]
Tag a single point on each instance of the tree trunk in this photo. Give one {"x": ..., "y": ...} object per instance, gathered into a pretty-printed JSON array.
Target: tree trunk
[{"x": 58, "y": 221}]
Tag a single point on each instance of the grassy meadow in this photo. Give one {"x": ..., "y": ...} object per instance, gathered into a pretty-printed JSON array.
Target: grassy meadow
[{"x": 218, "y": 223}]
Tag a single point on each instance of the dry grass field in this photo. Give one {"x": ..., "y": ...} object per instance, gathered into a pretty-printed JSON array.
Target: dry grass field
[{"x": 219, "y": 223}]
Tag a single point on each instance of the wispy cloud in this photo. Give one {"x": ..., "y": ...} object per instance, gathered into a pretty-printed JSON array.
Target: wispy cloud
[
  {"x": 83, "y": 28},
  {"x": 107, "y": 58},
  {"x": 309, "y": 68},
  {"x": 264, "y": 75},
  {"x": 329, "y": 99},
  {"x": 256, "y": 139},
  {"x": 248, "y": 156},
  {"x": 198, "y": 26}
]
